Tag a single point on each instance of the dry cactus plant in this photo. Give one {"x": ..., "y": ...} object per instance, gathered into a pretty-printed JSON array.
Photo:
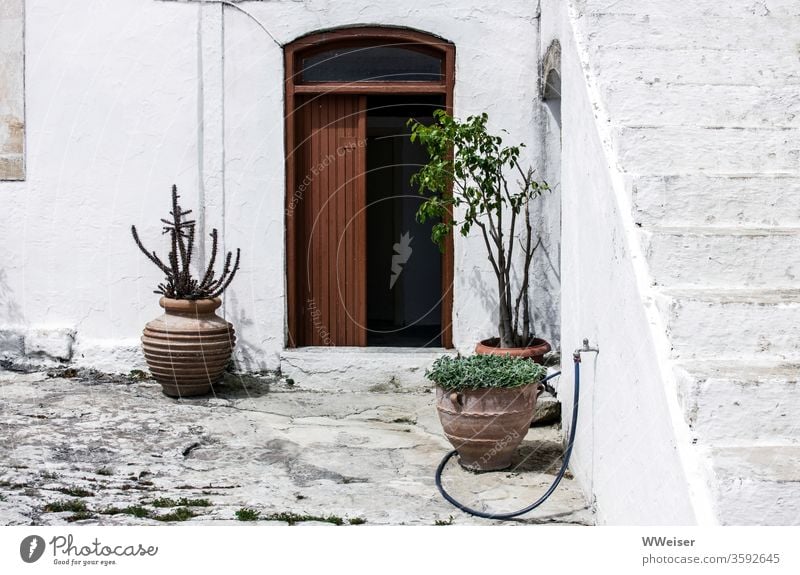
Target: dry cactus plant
[{"x": 179, "y": 283}]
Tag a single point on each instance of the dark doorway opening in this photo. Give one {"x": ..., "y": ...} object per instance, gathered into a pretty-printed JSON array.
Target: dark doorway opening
[{"x": 404, "y": 267}]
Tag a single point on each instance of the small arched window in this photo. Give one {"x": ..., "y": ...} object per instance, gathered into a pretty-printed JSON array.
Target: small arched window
[{"x": 551, "y": 84}]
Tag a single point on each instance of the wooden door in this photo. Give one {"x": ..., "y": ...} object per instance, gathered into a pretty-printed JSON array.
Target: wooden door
[
  {"x": 330, "y": 193},
  {"x": 351, "y": 87}
]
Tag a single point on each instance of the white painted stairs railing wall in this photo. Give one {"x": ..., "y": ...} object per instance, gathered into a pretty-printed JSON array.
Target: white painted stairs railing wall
[{"x": 702, "y": 104}]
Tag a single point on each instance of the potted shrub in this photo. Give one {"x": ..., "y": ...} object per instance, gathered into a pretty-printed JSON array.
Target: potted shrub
[
  {"x": 470, "y": 169},
  {"x": 485, "y": 405},
  {"x": 188, "y": 347}
]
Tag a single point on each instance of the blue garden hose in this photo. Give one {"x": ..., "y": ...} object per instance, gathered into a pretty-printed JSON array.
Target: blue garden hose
[{"x": 576, "y": 357}]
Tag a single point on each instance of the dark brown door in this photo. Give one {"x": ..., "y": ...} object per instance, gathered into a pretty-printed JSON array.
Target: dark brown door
[{"x": 331, "y": 216}]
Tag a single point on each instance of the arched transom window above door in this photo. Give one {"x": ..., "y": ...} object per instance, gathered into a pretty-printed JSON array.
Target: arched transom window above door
[{"x": 371, "y": 59}]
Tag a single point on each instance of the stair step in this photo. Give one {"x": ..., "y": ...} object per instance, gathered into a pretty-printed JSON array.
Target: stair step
[
  {"x": 658, "y": 30},
  {"x": 704, "y": 199},
  {"x": 732, "y": 323},
  {"x": 697, "y": 66},
  {"x": 741, "y": 402},
  {"x": 667, "y": 149},
  {"x": 691, "y": 10},
  {"x": 721, "y": 257},
  {"x": 707, "y": 106},
  {"x": 757, "y": 485}
]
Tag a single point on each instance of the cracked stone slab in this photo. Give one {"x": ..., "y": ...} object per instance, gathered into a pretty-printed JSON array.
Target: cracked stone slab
[{"x": 255, "y": 443}]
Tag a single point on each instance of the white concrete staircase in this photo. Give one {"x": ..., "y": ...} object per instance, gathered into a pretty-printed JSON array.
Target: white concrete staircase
[{"x": 704, "y": 102}]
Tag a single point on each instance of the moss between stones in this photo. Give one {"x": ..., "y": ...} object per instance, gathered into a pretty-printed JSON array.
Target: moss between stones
[
  {"x": 293, "y": 518},
  {"x": 182, "y": 502},
  {"x": 356, "y": 521},
  {"x": 75, "y": 505},
  {"x": 247, "y": 514},
  {"x": 180, "y": 514},
  {"x": 135, "y": 510},
  {"x": 448, "y": 521},
  {"x": 75, "y": 491}
]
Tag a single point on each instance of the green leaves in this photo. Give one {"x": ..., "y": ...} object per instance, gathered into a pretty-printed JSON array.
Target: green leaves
[
  {"x": 484, "y": 371},
  {"x": 464, "y": 156}
]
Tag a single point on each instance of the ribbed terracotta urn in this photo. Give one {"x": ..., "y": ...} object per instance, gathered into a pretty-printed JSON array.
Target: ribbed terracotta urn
[
  {"x": 487, "y": 425},
  {"x": 188, "y": 347}
]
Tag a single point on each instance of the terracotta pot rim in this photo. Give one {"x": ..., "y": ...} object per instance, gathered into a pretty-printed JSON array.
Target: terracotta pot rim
[
  {"x": 534, "y": 352},
  {"x": 494, "y": 343},
  {"x": 190, "y": 306},
  {"x": 490, "y": 389}
]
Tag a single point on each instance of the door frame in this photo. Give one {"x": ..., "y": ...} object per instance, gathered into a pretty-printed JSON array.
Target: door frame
[{"x": 343, "y": 38}]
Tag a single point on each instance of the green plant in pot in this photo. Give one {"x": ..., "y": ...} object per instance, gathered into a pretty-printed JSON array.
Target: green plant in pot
[
  {"x": 472, "y": 171},
  {"x": 485, "y": 405},
  {"x": 188, "y": 347}
]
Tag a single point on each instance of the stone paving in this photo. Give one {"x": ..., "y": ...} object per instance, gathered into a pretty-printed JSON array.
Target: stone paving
[{"x": 113, "y": 450}]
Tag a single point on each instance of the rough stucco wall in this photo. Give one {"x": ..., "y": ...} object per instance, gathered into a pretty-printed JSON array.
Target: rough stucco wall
[
  {"x": 546, "y": 217},
  {"x": 123, "y": 101},
  {"x": 630, "y": 451},
  {"x": 12, "y": 89},
  {"x": 547, "y": 266},
  {"x": 111, "y": 125}
]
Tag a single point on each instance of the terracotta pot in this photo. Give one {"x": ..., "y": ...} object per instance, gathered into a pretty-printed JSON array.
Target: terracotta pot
[
  {"x": 486, "y": 426},
  {"x": 188, "y": 348},
  {"x": 535, "y": 352}
]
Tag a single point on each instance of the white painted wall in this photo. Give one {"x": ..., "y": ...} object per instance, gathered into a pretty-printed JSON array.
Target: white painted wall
[
  {"x": 547, "y": 216},
  {"x": 632, "y": 448},
  {"x": 126, "y": 98},
  {"x": 111, "y": 95}
]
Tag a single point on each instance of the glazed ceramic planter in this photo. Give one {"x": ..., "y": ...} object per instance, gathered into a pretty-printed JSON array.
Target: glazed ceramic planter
[
  {"x": 188, "y": 347},
  {"x": 535, "y": 352},
  {"x": 487, "y": 425}
]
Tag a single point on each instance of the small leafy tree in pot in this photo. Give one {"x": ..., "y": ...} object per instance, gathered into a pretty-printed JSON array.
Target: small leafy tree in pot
[
  {"x": 188, "y": 347},
  {"x": 470, "y": 169}
]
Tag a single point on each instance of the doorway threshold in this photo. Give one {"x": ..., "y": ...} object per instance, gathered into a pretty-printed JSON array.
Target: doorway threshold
[{"x": 374, "y": 369}]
